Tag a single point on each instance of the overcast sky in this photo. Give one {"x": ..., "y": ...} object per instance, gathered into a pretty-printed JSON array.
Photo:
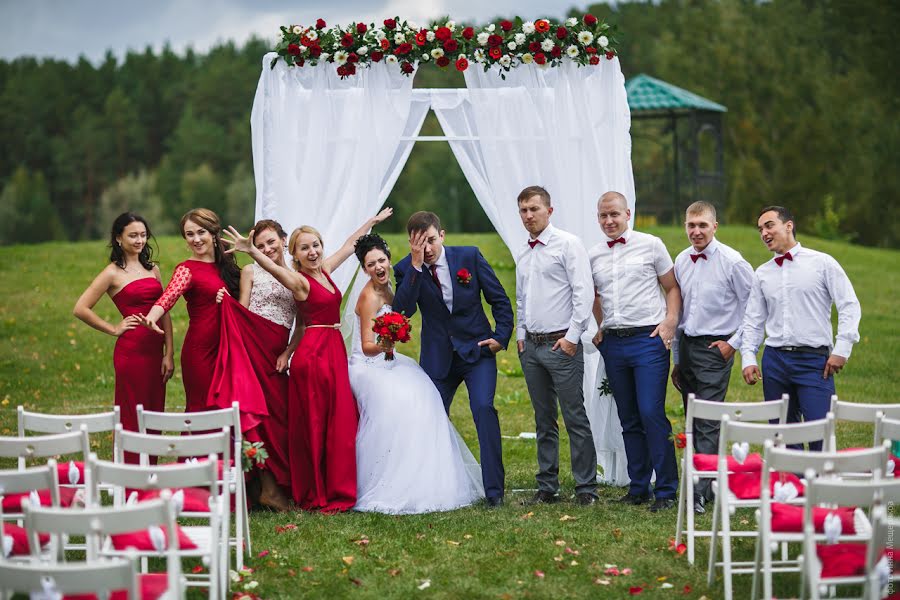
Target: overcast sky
[{"x": 68, "y": 29}]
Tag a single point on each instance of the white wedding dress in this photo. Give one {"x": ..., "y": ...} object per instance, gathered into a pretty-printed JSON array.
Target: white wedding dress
[{"x": 409, "y": 457}]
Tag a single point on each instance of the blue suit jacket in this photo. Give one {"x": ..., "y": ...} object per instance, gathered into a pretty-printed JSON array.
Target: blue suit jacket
[{"x": 444, "y": 332}]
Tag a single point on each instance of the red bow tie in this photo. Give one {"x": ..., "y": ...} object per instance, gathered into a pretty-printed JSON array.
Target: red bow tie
[
  {"x": 779, "y": 260},
  {"x": 696, "y": 257},
  {"x": 620, "y": 240},
  {"x": 534, "y": 243}
]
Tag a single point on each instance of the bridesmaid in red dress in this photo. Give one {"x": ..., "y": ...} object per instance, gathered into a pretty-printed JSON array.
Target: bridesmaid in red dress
[
  {"x": 198, "y": 279},
  {"x": 322, "y": 413},
  {"x": 143, "y": 361}
]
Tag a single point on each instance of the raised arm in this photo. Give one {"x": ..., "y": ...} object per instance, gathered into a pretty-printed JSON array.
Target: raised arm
[
  {"x": 84, "y": 307},
  {"x": 289, "y": 278},
  {"x": 346, "y": 250}
]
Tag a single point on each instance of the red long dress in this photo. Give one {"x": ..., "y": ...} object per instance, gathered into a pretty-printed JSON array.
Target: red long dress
[
  {"x": 198, "y": 282},
  {"x": 137, "y": 358},
  {"x": 322, "y": 413}
]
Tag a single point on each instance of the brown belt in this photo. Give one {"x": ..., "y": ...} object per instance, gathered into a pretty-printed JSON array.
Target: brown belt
[{"x": 545, "y": 338}]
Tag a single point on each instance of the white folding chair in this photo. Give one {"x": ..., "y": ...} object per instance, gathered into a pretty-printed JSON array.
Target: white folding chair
[
  {"x": 879, "y": 574},
  {"x": 15, "y": 543},
  {"x": 823, "y": 464},
  {"x": 51, "y": 581},
  {"x": 874, "y": 493},
  {"x": 743, "y": 435},
  {"x": 73, "y": 443},
  {"x": 860, "y": 412},
  {"x": 886, "y": 429},
  {"x": 691, "y": 474},
  {"x": 98, "y": 524},
  {"x": 193, "y": 422}
]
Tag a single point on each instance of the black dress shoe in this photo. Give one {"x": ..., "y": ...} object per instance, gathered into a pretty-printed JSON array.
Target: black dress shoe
[
  {"x": 543, "y": 497},
  {"x": 699, "y": 505},
  {"x": 634, "y": 500},
  {"x": 662, "y": 504},
  {"x": 494, "y": 501},
  {"x": 585, "y": 499}
]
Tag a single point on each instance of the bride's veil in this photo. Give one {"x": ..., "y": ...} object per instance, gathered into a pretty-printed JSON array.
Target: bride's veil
[{"x": 349, "y": 321}]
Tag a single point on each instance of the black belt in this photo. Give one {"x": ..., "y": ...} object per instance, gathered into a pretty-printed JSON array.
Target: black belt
[
  {"x": 545, "y": 338},
  {"x": 706, "y": 339},
  {"x": 630, "y": 331},
  {"x": 821, "y": 350}
]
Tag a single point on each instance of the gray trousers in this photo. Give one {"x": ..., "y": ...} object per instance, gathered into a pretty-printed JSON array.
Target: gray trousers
[
  {"x": 553, "y": 376},
  {"x": 704, "y": 373}
]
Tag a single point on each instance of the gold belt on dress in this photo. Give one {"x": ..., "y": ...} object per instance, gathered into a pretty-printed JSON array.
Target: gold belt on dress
[{"x": 334, "y": 326}]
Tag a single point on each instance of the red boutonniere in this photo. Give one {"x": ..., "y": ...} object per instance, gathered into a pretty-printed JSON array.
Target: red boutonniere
[{"x": 463, "y": 276}]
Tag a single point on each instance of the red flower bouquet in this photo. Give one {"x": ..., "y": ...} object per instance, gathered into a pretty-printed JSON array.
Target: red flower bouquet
[{"x": 391, "y": 328}]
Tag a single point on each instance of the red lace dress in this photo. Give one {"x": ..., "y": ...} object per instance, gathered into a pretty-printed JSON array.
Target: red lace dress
[
  {"x": 198, "y": 282},
  {"x": 322, "y": 413},
  {"x": 137, "y": 358}
]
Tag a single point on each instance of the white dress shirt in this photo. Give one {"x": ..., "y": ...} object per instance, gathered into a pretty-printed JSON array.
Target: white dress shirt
[
  {"x": 553, "y": 286},
  {"x": 626, "y": 277},
  {"x": 794, "y": 302},
  {"x": 714, "y": 293}
]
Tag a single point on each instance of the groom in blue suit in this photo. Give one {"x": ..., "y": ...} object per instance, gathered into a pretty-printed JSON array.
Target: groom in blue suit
[{"x": 446, "y": 283}]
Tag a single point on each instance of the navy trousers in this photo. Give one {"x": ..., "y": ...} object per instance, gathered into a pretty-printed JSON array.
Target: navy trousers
[
  {"x": 638, "y": 371},
  {"x": 481, "y": 382},
  {"x": 799, "y": 375}
]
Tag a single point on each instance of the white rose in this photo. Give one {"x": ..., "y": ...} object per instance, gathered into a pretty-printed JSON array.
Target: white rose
[
  {"x": 390, "y": 58},
  {"x": 547, "y": 45},
  {"x": 603, "y": 41},
  {"x": 324, "y": 56},
  {"x": 399, "y": 39},
  {"x": 520, "y": 38},
  {"x": 511, "y": 45},
  {"x": 572, "y": 51},
  {"x": 483, "y": 38},
  {"x": 527, "y": 27},
  {"x": 425, "y": 58},
  {"x": 412, "y": 25},
  {"x": 571, "y": 21},
  {"x": 429, "y": 35},
  {"x": 451, "y": 25},
  {"x": 437, "y": 53},
  {"x": 297, "y": 30},
  {"x": 379, "y": 35},
  {"x": 312, "y": 35},
  {"x": 340, "y": 57},
  {"x": 479, "y": 55},
  {"x": 491, "y": 27},
  {"x": 585, "y": 37},
  {"x": 527, "y": 58},
  {"x": 362, "y": 50},
  {"x": 505, "y": 60}
]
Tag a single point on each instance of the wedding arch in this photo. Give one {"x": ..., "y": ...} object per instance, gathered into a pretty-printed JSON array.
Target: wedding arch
[{"x": 329, "y": 144}]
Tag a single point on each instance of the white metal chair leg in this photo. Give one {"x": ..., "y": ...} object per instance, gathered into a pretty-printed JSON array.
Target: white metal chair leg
[
  {"x": 726, "y": 553},
  {"x": 711, "y": 576}
]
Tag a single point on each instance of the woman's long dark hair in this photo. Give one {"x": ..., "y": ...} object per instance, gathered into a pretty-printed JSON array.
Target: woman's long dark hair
[
  {"x": 116, "y": 254},
  {"x": 228, "y": 269}
]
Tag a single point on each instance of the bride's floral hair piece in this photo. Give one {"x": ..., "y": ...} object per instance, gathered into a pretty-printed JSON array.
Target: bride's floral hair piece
[{"x": 369, "y": 242}]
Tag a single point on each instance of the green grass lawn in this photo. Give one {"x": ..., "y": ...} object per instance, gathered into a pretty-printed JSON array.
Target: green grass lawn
[{"x": 51, "y": 362}]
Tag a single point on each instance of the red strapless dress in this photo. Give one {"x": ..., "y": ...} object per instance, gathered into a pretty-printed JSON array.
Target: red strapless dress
[
  {"x": 137, "y": 358},
  {"x": 322, "y": 413},
  {"x": 198, "y": 282}
]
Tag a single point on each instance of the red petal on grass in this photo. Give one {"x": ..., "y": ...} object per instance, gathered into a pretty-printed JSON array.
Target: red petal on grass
[
  {"x": 687, "y": 589},
  {"x": 635, "y": 590},
  {"x": 681, "y": 549},
  {"x": 197, "y": 569},
  {"x": 307, "y": 569},
  {"x": 263, "y": 554},
  {"x": 539, "y": 574}
]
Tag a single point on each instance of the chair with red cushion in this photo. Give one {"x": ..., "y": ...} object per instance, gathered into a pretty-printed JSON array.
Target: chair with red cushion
[
  {"x": 197, "y": 422},
  {"x": 117, "y": 577},
  {"x": 18, "y": 485},
  {"x": 782, "y": 524},
  {"x": 703, "y": 466},
  {"x": 830, "y": 565},
  {"x": 736, "y": 491}
]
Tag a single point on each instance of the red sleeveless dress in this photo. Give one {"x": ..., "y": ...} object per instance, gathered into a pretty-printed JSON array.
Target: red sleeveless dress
[
  {"x": 322, "y": 413},
  {"x": 138, "y": 356}
]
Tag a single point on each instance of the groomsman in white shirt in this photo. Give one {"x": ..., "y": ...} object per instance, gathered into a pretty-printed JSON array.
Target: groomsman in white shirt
[
  {"x": 636, "y": 307},
  {"x": 792, "y": 296},
  {"x": 715, "y": 283},
  {"x": 553, "y": 308}
]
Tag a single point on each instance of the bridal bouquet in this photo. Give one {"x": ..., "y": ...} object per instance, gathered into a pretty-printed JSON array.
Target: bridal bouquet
[
  {"x": 253, "y": 454},
  {"x": 391, "y": 328}
]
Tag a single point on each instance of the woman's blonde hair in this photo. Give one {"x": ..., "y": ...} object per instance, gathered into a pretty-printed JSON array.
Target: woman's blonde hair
[{"x": 294, "y": 241}]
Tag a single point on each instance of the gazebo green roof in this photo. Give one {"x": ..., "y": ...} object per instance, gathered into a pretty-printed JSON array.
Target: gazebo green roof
[{"x": 647, "y": 94}]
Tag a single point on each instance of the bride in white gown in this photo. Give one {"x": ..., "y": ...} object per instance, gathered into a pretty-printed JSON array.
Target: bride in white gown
[{"x": 409, "y": 457}]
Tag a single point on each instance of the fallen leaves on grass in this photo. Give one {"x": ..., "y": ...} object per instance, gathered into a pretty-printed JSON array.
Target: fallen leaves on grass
[
  {"x": 307, "y": 569},
  {"x": 452, "y": 543},
  {"x": 393, "y": 572},
  {"x": 348, "y": 560},
  {"x": 424, "y": 585},
  {"x": 617, "y": 534},
  {"x": 282, "y": 529},
  {"x": 362, "y": 541},
  {"x": 602, "y": 581},
  {"x": 527, "y": 515},
  {"x": 568, "y": 518},
  {"x": 355, "y": 581}
]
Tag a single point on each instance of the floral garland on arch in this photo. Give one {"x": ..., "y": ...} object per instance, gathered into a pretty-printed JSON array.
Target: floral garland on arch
[{"x": 507, "y": 44}]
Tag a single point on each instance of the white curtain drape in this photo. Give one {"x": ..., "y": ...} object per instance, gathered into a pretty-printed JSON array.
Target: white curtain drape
[
  {"x": 327, "y": 151},
  {"x": 566, "y": 129}
]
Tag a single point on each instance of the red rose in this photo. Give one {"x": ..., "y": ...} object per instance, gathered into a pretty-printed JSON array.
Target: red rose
[
  {"x": 353, "y": 58},
  {"x": 505, "y": 25},
  {"x": 351, "y": 69},
  {"x": 590, "y": 20},
  {"x": 443, "y": 33},
  {"x": 590, "y": 50},
  {"x": 680, "y": 440},
  {"x": 495, "y": 53},
  {"x": 390, "y": 23},
  {"x": 534, "y": 47},
  {"x": 610, "y": 55},
  {"x": 561, "y": 32},
  {"x": 377, "y": 56},
  {"x": 347, "y": 40},
  {"x": 442, "y": 61},
  {"x": 421, "y": 38},
  {"x": 251, "y": 452},
  {"x": 315, "y": 51},
  {"x": 451, "y": 45},
  {"x": 463, "y": 276},
  {"x": 462, "y": 64},
  {"x": 404, "y": 48},
  {"x": 539, "y": 58},
  {"x": 556, "y": 52},
  {"x": 320, "y": 24},
  {"x": 361, "y": 28},
  {"x": 342, "y": 71},
  {"x": 594, "y": 59},
  {"x": 299, "y": 61},
  {"x": 308, "y": 42},
  {"x": 406, "y": 67},
  {"x": 293, "y": 49},
  {"x": 494, "y": 40},
  {"x": 468, "y": 33},
  {"x": 542, "y": 25},
  {"x": 385, "y": 45}
]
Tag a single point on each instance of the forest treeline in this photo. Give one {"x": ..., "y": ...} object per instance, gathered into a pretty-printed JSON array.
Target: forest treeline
[{"x": 811, "y": 88}]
